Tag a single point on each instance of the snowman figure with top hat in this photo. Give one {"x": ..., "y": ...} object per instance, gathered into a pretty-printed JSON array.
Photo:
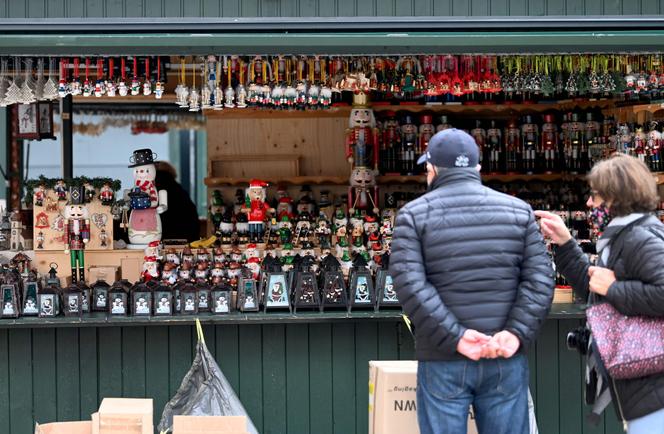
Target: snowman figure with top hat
[{"x": 146, "y": 203}]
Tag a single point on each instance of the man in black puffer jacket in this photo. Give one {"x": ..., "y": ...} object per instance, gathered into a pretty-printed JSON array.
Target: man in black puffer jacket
[{"x": 472, "y": 273}]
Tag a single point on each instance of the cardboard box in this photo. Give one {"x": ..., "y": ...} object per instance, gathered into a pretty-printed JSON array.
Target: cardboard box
[
  {"x": 131, "y": 269},
  {"x": 563, "y": 295},
  {"x": 124, "y": 416},
  {"x": 210, "y": 425},
  {"x": 107, "y": 273},
  {"x": 392, "y": 398},
  {"x": 64, "y": 428}
]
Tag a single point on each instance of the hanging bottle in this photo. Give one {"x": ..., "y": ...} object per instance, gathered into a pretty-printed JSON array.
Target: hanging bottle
[
  {"x": 548, "y": 154},
  {"x": 530, "y": 134}
]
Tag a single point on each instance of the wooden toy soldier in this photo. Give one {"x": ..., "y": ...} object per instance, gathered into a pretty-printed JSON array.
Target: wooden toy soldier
[
  {"x": 40, "y": 194},
  {"x": 77, "y": 232},
  {"x": 106, "y": 194},
  {"x": 362, "y": 145},
  {"x": 257, "y": 209}
]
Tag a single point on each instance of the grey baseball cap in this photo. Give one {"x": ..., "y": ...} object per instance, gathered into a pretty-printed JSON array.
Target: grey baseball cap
[{"x": 451, "y": 148}]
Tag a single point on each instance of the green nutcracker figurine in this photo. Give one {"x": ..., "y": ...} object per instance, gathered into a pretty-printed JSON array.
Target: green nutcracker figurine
[{"x": 77, "y": 232}]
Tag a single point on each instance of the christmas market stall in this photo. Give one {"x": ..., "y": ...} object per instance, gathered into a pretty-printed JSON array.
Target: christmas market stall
[{"x": 310, "y": 155}]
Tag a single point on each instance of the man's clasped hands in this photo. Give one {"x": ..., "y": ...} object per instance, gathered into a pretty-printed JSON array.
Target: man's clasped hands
[{"x": 476, "y": 345}]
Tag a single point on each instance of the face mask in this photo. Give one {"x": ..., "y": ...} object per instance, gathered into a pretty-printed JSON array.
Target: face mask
[{"x": 599, "y": 217}]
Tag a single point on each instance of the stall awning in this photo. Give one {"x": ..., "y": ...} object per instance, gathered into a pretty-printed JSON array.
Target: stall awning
[
  {"x": 356, "y": 35},
  {"x": 332, "y": 43}
]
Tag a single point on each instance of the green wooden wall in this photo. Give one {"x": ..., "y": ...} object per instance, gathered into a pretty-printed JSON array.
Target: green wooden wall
[
  {"x": 292, "y": 378},
  {"x": 308, "y": 8}
]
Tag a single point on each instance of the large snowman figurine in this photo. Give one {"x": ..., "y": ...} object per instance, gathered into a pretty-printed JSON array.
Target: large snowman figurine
[{"x": 145, "y": 202}]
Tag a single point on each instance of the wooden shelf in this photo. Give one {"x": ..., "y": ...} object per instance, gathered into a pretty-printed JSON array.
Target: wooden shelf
[
  {"x": 294, "y": 180},
  {"x": 493, "y": 108},
  {"x": 486, "y": 177},
  {"x": 391, "y": 179},
  {"x": 100, "y": 319}
]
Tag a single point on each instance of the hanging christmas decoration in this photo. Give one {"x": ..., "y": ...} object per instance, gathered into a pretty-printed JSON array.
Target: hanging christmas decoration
[
  {"x": 158, "y": 86},
  {"x": 135, "y": 84},
  {"x": 122, "y": 84},
  {"x": 13, "y": 94},
  {"x": 181, "y": 91},
  {"x": 111, "y": 86},
  {"x": 147, "y": 84},
  {"x": 194, "y": 96},
  {"x": 87, "y": 88},
  {"x": 3, "y": 82}
]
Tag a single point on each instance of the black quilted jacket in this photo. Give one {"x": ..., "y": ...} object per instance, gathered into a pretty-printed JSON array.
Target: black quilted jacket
[
  {"x": 638, "y": 262},
  {"x": 467, "y": 257}
]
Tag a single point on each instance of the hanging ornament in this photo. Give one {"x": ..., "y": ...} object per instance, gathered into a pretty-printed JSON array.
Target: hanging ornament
[
  {"x": 229, "y": 93},
  {"x": 28, "y": 86},
  {"x": 181, "y": 91},
  {"x": 206, "y": 92},
  {"x": 218, "y": 95},
  {"x": 13, "y": 94},
  {"x": 51, "y": 86},
  {"x": 100, "y": 89},
  {"x": 41, "y": 80},
  {"x": 122, "y": 84},
  {"x": 135, "y": 84},
  {"x": 87, "y": 88},
  {"x": 252, "y": 87},
  {"x": 240, "y": 91},
  {"x": 111, "y": 86},
  {"x": 147, "y": 84},
  {"x": 75, "y": 82},
  {"x": 159, "y": 86},
  {"x": 194, "y": 96},
  {"x": 62, "y": 84},
  {"x": 594, "y": 86}
]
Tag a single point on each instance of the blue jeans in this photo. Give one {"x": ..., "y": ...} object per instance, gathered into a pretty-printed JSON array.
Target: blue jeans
[
  {"x": 497, "y": 389},
  {"x": 652, "y": 423}
]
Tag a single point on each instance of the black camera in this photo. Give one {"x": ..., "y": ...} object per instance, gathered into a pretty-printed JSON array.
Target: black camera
[{"x": 579, "y": 339}]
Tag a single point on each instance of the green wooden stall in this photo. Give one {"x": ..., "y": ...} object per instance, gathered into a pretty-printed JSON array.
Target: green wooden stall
[
  {"x": 305, "y": 373},
  {"x": 295, "y": 374}
]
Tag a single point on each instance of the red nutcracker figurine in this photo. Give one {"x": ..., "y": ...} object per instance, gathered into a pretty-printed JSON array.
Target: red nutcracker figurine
[
  {"x": 427, "y": 130},
  {"x": 362, "y": 145},
  {"x": 40, "y": 195},
  {"x": 77, "y": 232},
  {"x": 106, "y": 194},
  {"x": 257, "y": 209}
]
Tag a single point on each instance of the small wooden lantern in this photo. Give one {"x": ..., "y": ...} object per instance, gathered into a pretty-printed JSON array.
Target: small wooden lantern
[
  {"x": 86, "y": 294},
  {"x": 188, "y": 299},
  {"x": 30, "y": 295},
  {"x": 247, "y": 296},
  {"x": 387, "y": 296},
  {"x": 117, "y": 299},
  {"x": 203, "y": 293},
  {"x": 141, "y": 300},
  {"x": 307, "y": 295},
  {"x": 72, "y": 300},
  {"x": 221, "y": 299},
  {"x": 99, "y": 296},
  {"x": 276, "y": 291},
  {"x": 10, "y": 301},
  {"x": 163, "y": 301},
  {"x": 362, "y": 294},
  {"x": 48, "y": 300}
]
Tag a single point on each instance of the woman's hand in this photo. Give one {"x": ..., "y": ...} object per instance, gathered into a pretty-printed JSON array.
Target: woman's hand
[
  {"x": 600, "y": 279},
  {"x": 553, "y": 227}
]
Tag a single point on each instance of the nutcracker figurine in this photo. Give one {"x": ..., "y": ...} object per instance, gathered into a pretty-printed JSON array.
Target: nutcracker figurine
[
  {"x": 408, "y": 148},
  {"x": 257, "y": 209},
  {"x": 362, "y": 135},
  {"x": 363, "y": 191},
  {"x": 146, "y": 203},
  {"x": 427, "y": 130},
  {"x": 549, "y": 147},
  {"x": 77, "y": 232},
  {"x": 106, "y": 194},
  {"x": 390, "y": 140}
]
